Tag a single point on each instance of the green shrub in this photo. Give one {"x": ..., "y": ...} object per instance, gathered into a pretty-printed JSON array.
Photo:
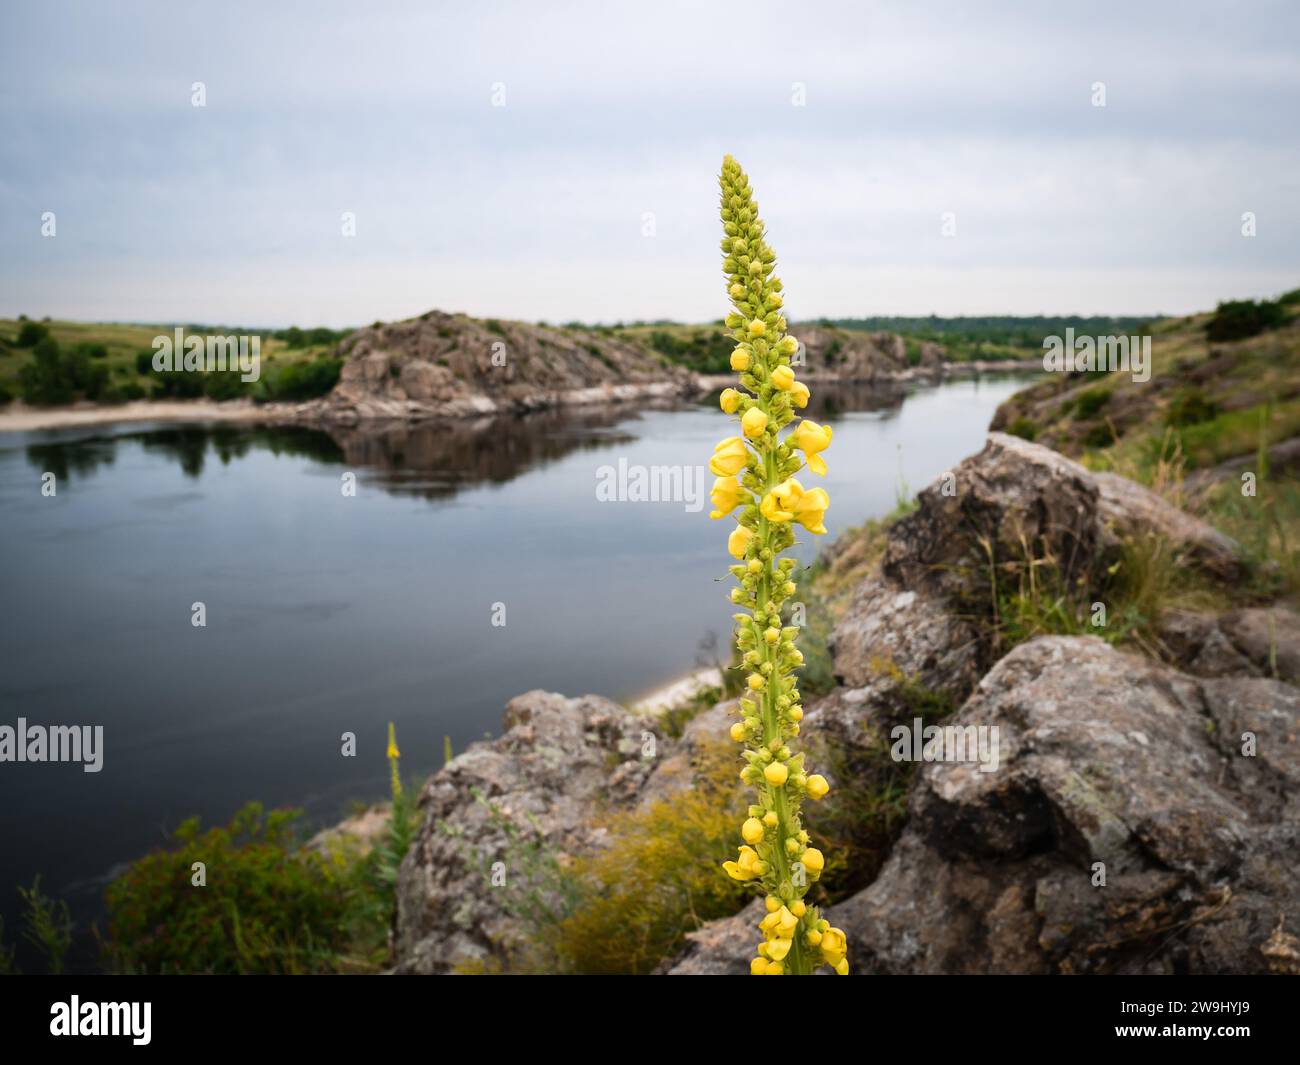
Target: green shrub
[
  {"x": 302, "y": 380},
  {"x": 6, "y": 396},
  {"x": 658, "y": 877},
  {"x": 1089, "y": 402},
  {"x": 1023, "y": 428},
  {"x": 30, "y": 334},
  {"x": 269, "y": 906},
  {"x": 1238, "y": 319},
  {"x": 1190, "y": 407},
  {"x": 1099, "y": 436}
]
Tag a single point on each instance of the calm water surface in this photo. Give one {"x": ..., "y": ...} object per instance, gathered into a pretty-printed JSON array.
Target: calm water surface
[{"x": 328, "y": 614}]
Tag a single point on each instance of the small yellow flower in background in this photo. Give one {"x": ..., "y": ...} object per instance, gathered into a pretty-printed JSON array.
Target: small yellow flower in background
[
  {"x": 796, "y": 939},
  {"x": 783, "y": 378},
  {"x": 738, "y": 541},
  {"x": 729, "y": 457},
  {"x": 753, "y": 423},
  {"x": 395, "y": 783},
  {"x": 726, "y": 496},
  {"x": 811, "y": 438}
]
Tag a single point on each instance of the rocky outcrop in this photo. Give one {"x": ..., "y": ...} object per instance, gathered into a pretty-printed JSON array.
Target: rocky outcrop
[
  {"x": 1014, "y": 508},
  {"x": 1138, "y": 820},
  {"x": 452, "y": 365},
  {"x": 1123, "y": 831},
  {"x": 558, "y": 763},
  {"x": 1176, "y": 782}
]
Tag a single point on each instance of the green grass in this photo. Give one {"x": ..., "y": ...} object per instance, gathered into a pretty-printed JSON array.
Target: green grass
[{"x": 124, "y": 342}]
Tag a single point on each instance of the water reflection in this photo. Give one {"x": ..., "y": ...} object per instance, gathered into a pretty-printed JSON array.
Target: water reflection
[{"x": 430, "y": 460}]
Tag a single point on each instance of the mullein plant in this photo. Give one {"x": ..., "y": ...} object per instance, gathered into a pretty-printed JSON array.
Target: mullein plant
[{"x": 756, "y": 483}]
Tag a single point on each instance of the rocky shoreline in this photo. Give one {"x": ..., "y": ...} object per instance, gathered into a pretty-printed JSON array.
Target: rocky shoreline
[{"x": 1143, "y": 815}]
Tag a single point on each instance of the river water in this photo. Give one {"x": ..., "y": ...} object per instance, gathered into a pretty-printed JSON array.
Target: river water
[{"x": 329, "y": 613}]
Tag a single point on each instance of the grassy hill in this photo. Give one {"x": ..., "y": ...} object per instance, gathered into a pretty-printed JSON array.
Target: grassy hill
[
  {"x": 1222, "y": 402},
  {"x": 110, "y": 362}
]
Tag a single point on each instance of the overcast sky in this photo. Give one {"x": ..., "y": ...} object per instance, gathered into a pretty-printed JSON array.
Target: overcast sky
[{"x": 616, "y": 118}]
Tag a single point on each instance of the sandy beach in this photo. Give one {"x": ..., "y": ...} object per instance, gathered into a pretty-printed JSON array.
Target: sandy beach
[{"x": 19, "y": 417}]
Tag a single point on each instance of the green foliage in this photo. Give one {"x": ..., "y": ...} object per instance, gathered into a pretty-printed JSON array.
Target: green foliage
[
  {"x": 30, "y": 334},
  {"x": 54, "y": 376},
  {"x": 301, "y": 380},
  {"x": 1089, "y": 402},
  {"x": 991, "y": 336},
  {"x": 703, "y": 350},
  {"x": 1238, "y": 319},
  {"x": 49, "y": 926},
  {"x": 6, "y": 397},
  {"x": 1023, "y": 427},
  {"x": 269, "y": 904},
  {"x": 8, "y": 967},
  {"x": 657, "y": 879},
  {"x": 1100, "y": 435},
  {"x": 296, "y": 338},
  {"x": 1190, "y": 407}
]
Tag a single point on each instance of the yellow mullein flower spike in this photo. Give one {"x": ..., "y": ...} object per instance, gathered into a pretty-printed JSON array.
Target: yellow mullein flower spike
[{"x": 776, "y": 856}]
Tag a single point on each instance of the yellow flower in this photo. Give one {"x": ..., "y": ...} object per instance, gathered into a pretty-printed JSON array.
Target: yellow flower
[
  {"x": 770, "y": 819},
  {"x": 738, "y": 541},
  {"x": 758, "y": 967},
  {"x": 757, "y": 328},
  {"x": 752, "y": 830},
  {"x": 799, "y": 393},
  {"x": 776, "y": 774},
  {"x": 789, "y": 502},
  {"x": 771, "y": 508},
  {"x": 740, "y": 360},
  {"x": 817, "y": 786},
  {"x": 738, "y": 731},
  {"x": 729, "y": 401},
  {"x": 813, "y": 861},
  {"x": 753, "y": 423},
  {"x": 747, "y": 865},
  {"x": 726, "y": 496},
  {"x": 393, "y": 752},
  {"x": 729, "y": 457},
  {"x": 777, "y": 949},
  {"x": 775, "y": 968},
  {"x": 834, "y": 946},
  {"x": 810, "y": 438},
  {"x": 783, "y": 378},
  {"x": 842, "y": 967}
]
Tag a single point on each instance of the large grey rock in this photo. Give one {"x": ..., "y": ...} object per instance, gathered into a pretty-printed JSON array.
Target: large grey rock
[
  {"x": 928, "y": 616},
  {"x": 540, "y": 783}
]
